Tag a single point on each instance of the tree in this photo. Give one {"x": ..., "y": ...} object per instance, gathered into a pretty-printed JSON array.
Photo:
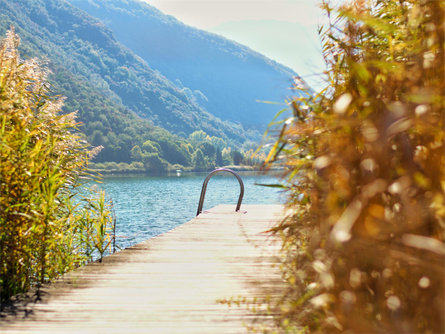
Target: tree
[
  {"x": 219, "y": 159},
  {"x": 151, "y": 147},
  {"x": 197, "y": 137},
  {"x": 154, "y": 164},
  {"x": 227, "y": 156},
  {"x": 219, "y": 143},
  {"x": 97, "y": 138},
  {"x": 208, "y": 150},
  {"x": 136, "y": 153},
  {"x": 199, "y": 161},
  {"x": 172, "y": 152},
  {"x": 237, "y": 157}
]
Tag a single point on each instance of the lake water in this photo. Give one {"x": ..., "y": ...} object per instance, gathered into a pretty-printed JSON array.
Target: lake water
[{"x": 147, "y": 206}]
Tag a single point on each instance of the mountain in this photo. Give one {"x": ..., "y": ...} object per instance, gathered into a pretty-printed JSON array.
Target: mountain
[
  {"x": 122, "y": 101},
  {"x": 192, "y": 101},
  {"x": 266, "y": 36},
  {"x": 81, "y": 44},
  {"x": 226, "y": 78}
]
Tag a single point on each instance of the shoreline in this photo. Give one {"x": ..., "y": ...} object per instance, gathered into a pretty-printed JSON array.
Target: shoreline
[{"x": 237, "y": 168}]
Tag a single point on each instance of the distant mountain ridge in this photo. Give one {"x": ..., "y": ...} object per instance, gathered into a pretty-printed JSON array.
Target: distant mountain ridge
[
  {"x": 128, "y": 105},
  {"x": 226, "y": 78},
  {"x": 69, "y": 37}
]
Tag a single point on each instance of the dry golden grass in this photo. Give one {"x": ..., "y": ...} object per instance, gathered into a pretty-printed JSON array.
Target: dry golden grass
[
  {"x": 44, "y": 229},
  {"x": 364, "y": 237}
]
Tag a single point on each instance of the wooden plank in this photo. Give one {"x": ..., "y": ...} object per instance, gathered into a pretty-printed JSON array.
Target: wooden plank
[{"x": 167, "y": 284}]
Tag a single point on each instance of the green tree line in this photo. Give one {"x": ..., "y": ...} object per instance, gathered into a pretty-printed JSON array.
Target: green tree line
[{"x": 159, "y": 152}]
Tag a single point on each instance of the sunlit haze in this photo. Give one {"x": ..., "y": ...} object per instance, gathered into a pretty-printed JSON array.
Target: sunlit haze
[{"x": 283, "y": 30}]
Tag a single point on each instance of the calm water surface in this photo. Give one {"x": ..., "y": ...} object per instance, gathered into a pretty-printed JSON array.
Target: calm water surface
[{"x": 147, "y": 206}]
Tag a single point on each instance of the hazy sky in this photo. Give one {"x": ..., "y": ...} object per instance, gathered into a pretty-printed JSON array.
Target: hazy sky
[
  {"x": 208, "y": 13},
  {"x": 284, "y": 30}
]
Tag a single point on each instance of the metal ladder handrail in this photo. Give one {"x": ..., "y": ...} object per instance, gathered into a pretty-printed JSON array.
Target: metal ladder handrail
[{"x": 206, "y": 181}]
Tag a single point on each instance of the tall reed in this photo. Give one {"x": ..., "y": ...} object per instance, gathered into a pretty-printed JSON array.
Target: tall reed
[
  {"x": 42, "y": 161},
  {"x": 365, "y": 170}
]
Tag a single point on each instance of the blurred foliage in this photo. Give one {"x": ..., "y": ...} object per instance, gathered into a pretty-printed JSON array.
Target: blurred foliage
[
  {"x": 49, "y": 223},
  {"x": 365, "y": 228}
]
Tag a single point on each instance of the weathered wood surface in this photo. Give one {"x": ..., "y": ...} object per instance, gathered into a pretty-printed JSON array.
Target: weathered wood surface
[{"x": 167, "y": 284}]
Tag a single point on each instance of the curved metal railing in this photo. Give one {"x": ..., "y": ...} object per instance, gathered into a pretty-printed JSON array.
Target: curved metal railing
[{"x": 206, "y": 181}]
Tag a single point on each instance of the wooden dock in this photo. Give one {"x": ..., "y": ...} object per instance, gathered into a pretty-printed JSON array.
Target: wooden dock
[{"x": 167, "y": 284}]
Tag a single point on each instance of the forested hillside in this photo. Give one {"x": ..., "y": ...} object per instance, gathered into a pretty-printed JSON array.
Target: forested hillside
[
  {"x": 122, "y": 102},
  {"x": 226, "y": 78}
]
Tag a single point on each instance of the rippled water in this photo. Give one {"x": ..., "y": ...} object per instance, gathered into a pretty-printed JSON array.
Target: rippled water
[{"x": 147, "y": 206}]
